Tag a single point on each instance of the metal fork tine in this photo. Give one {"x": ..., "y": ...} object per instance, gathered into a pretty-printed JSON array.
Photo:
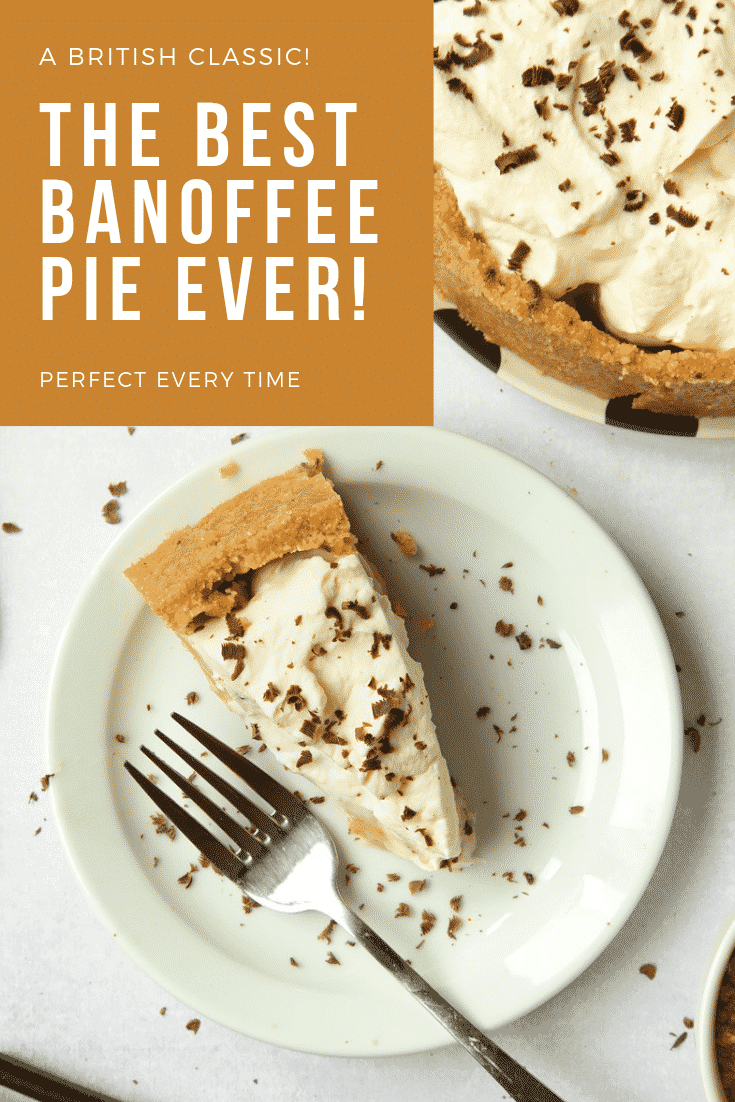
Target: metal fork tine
[
  {"x": 231, "y": 827},
  {"x": 257, "y": 817},
  {"x": 227, "y": 863},
  {"x": 274, "y": 793}
]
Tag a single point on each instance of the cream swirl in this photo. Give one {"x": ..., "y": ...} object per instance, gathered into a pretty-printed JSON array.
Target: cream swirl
[{"x": 591, "y": 145}]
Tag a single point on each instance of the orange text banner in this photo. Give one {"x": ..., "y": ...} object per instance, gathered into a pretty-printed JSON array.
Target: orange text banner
[{"x": 220, "y": 219}]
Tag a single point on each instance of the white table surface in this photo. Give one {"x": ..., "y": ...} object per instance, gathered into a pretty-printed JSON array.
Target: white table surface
[{"x": 72, "y": 1003}]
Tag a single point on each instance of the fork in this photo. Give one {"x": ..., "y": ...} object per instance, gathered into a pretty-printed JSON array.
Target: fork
[{"x": 287, "y": 861}]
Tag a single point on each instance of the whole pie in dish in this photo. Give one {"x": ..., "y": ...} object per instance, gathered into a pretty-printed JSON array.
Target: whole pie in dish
[
  {"x": 584, "y": 211},
  {"x": 295, "y": 633}
]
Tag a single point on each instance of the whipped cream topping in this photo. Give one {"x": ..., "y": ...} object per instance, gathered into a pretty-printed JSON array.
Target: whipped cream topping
[
  {"x": 318, "y": 661},
  {"x": 590, "y": 144}
]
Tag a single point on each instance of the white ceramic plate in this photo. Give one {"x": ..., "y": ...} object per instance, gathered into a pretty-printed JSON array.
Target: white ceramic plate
[{"x": 610, "y": 686}]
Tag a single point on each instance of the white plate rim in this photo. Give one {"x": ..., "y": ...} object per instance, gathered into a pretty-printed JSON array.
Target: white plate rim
[{"x": 100, "y": 883}]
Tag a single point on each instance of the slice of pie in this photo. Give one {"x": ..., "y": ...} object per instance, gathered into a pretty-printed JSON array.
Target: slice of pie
[{"x": 295, "y": 633}]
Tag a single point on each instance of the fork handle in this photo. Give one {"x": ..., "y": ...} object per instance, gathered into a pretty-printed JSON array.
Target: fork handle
[{"x": 519, "y": 1083}]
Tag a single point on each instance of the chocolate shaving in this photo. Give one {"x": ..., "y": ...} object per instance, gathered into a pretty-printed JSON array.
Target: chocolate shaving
[
  {"x": 396, "y": 717},
  {"x": 378, "y": 639},
  {"x": 447, "y": 63},
  {"x": 234, "y": 626},
  {"x": 233, "y": 650},
  {"x": 459, "y": 86},
  {"x": 432, "y": 570},
  {"x": 370, "y": 763},
  {"x": 676, "y": 113},
  {"x": 564, "y": 186},
  {"x": 304, "y": 759},
  {"x": 428, "y": 921},
  {"x": 683, "y": 217},
  {"x": 519, "y": 254},
  {"x": 514, "y": 158},
  {"x": 536, "y": 291},
  {"x": 382, "y": 707},
  {"x": 480, "y": 52},
  {"x": 405, "y": 541},
  {"x": 295, "y": 697},
  {"x": 627, "y": 131},
  {"x": 597, "y": 88},
  {"x": 354, "y": 606},
  {"x": 636, "y": 47},
  {"x": 110, "y": 513},
  {"x": 536, "y": 75},
  {"x": 163, "y": 826},
  {"x": 326, "y": 934},
  {"x": 565, "y": 7},
  {"x": 634, "y": 200},
  {"x": 271, "y": 692}
]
